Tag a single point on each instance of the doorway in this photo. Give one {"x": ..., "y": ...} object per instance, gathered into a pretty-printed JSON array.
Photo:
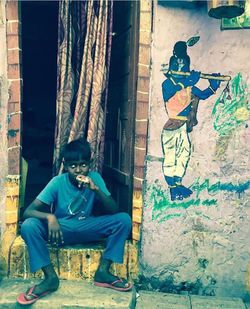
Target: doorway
[
  {"x": 39, "y": 69},
  {"x": 39, "y": 45},
  {"x": 120, "y": 122}
]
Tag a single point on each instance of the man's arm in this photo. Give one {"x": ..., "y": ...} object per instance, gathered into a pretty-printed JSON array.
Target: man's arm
[
  {"x": 55, "y": 235},
  {"x": 34, "y": 210},
  {"x": 107, "y": 201},
  {"x": 109, "y": 206}
]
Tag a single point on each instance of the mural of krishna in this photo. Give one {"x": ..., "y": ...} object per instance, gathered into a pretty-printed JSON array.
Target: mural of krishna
[{"x": 181, "y": 98}]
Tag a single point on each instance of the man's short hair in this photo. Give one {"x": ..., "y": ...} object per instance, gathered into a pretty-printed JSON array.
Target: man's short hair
[{"x": 77, "y": 150}]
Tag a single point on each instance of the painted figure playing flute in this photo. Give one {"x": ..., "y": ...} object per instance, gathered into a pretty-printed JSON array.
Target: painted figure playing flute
[{"x": 181, "y": 98}]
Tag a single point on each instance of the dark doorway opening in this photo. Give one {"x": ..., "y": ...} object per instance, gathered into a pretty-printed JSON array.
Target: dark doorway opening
[
  {"x": 120, "y": 122},
  {"x": 39, "y": 46},
  {"x": 39, "y": 56}
]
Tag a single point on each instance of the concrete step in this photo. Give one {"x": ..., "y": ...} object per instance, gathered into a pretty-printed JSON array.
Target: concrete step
[
  {"x": 72, "y": 262},
  {"x": 71, "y": 294},
  {"x": 81, "y": 294},
  {"x": 156, "y": 300}
]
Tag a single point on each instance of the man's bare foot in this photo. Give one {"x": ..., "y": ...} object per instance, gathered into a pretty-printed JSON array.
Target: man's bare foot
[
  {"x": 104, "y": 276},
  {"x": 106, "y": 279},
  {"x": 48, "y": 284}
]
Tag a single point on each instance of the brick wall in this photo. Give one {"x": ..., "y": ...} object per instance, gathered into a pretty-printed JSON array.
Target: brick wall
[
  {"x": 14, "y": 76},
  {"x": 141, "y": 121},
  {"x": 3, "y": 113}
]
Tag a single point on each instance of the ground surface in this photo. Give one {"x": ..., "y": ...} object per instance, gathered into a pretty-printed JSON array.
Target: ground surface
[{"x": 82, "y": 294}]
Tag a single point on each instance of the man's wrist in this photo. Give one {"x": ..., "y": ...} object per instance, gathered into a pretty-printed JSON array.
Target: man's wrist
[
  {"x": 96, "y": 189},
  {"x": 50, "y": 216}
]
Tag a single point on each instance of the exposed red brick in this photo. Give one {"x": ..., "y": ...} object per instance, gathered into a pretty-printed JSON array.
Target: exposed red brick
[
  {"x": 14, "y": 156},
  {"x": 141, "y": 110},
  {"x": 143, "y": 84},
  {"x": 13, "y": 107},
  {"x": 15, "y": 122},
  {"x": 144, "y": 54},
  {"x": 14, "y": 71},
  {"x": 12, "y": 10},
  {"x": 14, "y": 56},
  {"x": 13, "y": 40},
  {"x": 15, "y": 91},
  {"x": 139, "y": 157},
  {"x": 139, "y": 171},
  {"x": 143, "y": 97},
  {"x": 143, "y": 70},
  {"x": 141, "y": 127},
  {"x": 13, "y": 28},
  {"x": 140, "y": 141},
  {"x": 137, "y": 185},
  {"x": 14, "y": 137},
  {"x": 145, "y": 37}
]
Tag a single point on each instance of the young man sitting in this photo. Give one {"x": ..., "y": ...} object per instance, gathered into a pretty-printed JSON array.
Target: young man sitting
[{"x": 73, "y": 194}]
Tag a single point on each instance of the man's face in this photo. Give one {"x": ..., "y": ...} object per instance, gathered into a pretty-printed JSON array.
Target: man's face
[{"x": 75, "y": 168}]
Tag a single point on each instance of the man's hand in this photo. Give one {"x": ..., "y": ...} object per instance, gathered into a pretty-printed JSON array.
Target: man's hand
[
  {"x": 92, "y": 186},
  {"x": 55, "y": 235},
  {"x": 87, "y": 182}
]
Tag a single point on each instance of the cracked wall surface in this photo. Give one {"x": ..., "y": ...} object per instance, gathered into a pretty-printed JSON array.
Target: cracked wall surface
[{"x": 200, "y": 244}]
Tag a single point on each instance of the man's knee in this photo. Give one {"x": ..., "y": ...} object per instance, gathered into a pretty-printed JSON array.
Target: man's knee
[
  {"x": 124, "y": 219},
  {"x": 29, "y": 226}
]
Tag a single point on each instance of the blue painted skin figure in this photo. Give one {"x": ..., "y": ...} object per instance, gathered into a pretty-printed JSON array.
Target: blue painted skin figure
[{"x": 181, "y": 98}]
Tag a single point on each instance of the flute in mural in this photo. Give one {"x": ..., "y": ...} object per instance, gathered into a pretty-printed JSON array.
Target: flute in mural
[
  {"x": 223, "y": 78},
  {"x": 181, "y": 97}
]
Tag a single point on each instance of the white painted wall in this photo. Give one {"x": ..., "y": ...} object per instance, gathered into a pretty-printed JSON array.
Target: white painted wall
[{"x": 203, "y": 249}]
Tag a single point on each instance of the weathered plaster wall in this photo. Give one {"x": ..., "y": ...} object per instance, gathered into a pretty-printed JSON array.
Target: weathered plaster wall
[
  {"x": 3, "y": 113},
  {"x": 200, "y": 244}
]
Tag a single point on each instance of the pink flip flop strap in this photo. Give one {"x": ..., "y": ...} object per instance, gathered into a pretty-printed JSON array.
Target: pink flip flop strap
[
  {"x": 30, "y": 293},
  {"x": 116, "y": 281}
]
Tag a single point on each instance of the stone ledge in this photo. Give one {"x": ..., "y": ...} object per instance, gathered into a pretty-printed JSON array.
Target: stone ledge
[
  {"x": 208, "y": 302},
  {"x": 74, "y": 262},
  {"x": 157, "y": 300}
]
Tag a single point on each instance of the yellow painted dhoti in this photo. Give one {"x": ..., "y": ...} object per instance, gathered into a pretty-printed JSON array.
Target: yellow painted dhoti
[{"x": 177, "y": 149}]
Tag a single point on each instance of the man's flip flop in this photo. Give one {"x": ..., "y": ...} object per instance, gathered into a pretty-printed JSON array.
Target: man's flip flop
[
  {"x": 127, "y": 286},
  {"x": 24, "y": 301}
]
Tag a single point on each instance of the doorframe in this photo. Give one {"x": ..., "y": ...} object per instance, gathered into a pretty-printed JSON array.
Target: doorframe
[
  {"x": 14, "y": 52},
  {"x": 142, "y": 107},
  {"x": 12, "y": 24}
]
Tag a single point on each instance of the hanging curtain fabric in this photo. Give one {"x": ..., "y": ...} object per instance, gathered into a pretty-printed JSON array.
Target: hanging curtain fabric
[{"x": 84, "y": 49}]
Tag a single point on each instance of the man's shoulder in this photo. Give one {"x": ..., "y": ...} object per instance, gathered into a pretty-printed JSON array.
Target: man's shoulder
[
  {"x": 59, "y": 179},
  {"x": 94, "y": 174}
]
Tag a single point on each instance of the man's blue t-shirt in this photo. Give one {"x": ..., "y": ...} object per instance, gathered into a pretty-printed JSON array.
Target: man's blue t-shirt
[{"x": 61, "y": 192}]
